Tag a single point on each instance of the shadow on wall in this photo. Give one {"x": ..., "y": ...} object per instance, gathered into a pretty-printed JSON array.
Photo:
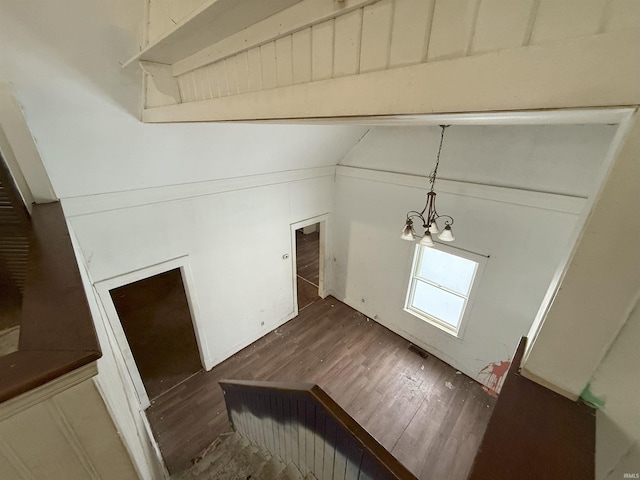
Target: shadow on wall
[{"x": 89, "y": 39}]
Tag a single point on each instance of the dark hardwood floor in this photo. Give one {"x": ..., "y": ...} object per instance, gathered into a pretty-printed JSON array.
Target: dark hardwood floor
[
  {"x": 427, "y": 414},
  {"x": 308, "y": 255},
  {"x": 156, "y": 319},
  {"x": 307, "y": 267},
  {"x": 307, "y": 293}
]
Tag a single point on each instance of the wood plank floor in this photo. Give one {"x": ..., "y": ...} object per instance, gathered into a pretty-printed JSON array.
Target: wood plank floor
[
  {"x": 307, "y": 267},
  {"x": 307, "y": 293},
  {"x": 428, "y": 415},
  {"x": 308, "y": 256},
  {"x": 156, "y": 319}
]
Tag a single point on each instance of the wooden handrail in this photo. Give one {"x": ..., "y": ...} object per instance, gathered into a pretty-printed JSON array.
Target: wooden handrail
[
  {"x": 380, "y": 455},
  {"x": 57, "y": 334}
]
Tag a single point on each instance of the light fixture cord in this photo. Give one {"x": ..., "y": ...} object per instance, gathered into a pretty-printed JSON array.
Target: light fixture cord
[{"x": 432, "y": 177}]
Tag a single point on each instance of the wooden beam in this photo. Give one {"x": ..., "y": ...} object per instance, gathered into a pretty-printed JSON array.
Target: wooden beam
[
  {"x": 597, "y": 71},
  {"x": 215, "y": 20}
]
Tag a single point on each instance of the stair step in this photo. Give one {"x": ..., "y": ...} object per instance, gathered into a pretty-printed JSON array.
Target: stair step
[
  {"x": 291, "y": 472},
  {"x": 233, "y": 457},
  {"x": 211, "y": 454},
  {"x": 237, "y": 466},
  {"x": 270, "y": 470},
  {"x": 215, "y": 471},
  {"x": 258, "y": 461}
]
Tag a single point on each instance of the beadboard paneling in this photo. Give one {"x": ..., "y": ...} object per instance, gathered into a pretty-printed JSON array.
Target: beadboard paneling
[
  {"x": 559, "y": 20},
  {"x": 322, "y": 51},
  {"x": 410, "y": 32},
  {"x": 64, "y": 434},
  {"x": 269, "y": 67},
  {"x": 348, "y": 32},
  {"x": 284, "y": 61},
  {"x": 301, "y": 52},
  {"x": 242, "y": 66},
  {"x": 452, "y": 28},
  {"x": 622, "y": 15},
  {"x": 312, "y": 42},
  {"x": 491, "y": 32},
  {"x": 255, "y": 69},
  {"x": 376, "y": 33}
]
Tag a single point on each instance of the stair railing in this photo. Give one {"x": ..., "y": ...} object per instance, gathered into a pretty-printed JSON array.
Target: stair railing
[{"x": 303, "y": 425}]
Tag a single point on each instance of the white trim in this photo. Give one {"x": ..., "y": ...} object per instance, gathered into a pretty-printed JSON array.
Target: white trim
[
  {"x": 323, "y": 220},
  {"x": 528, "y": 198},
  {"x": 569, "y": 116},
  {"x": 21, "y": 152},
  {"x": 105, "y": 286},
  {"x": 154, "y": 444},
  {"x": 104, "y": 202},
  {"x": 37, "y": 395},
  {"x": 128, "y": 419},
  {"x": 614, "y": 148}
]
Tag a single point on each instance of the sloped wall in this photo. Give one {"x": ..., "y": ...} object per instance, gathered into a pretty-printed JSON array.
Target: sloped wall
[
  {"x": 561, "y": 159},
  {"x": 524, "y": 240}
]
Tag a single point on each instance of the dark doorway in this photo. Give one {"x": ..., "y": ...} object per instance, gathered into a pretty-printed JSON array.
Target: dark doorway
[
  {"x": 307, "y": 264},
  {"x": 15, "y": 230},
  {"x": 156, "y": 320}
]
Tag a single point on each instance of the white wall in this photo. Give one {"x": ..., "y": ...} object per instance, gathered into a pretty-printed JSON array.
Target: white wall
[
  {"x": 560, "y": 159},
  {"x": 82, "y": 108},
  {"x": 525, "y": 242},
  {"x": 235, "y": 241},
  {"x": 616, "y": 385}
]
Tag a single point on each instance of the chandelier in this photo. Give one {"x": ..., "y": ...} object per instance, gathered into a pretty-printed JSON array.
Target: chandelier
[{"x": 429, "y": 218}]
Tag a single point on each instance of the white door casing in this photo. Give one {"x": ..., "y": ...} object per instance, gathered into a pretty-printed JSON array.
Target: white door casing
[
  {"x": 104, "y": 287},
  {"x": 323, "y": 220}
]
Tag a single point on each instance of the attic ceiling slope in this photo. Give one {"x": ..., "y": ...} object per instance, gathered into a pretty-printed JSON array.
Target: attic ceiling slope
[
  {"x": 209, "y": 23},
  {"x": 328, "y": 58}
]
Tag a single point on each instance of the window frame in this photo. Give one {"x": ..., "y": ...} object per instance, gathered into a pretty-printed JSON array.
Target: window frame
[{"x": 432, "y": 320}]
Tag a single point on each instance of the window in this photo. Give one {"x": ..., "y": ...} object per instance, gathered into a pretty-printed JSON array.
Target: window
[{"x": 441, "y": 286}]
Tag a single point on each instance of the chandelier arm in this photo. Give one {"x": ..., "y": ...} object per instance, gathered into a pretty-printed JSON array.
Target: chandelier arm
[
  {"x": 446, "y": 222},
  {"x": 413, "y": 214}
]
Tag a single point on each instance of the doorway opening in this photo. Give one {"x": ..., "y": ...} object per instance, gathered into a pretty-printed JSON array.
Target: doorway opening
[
  {"x": 156, "y": 319},
  {"x": 307, "y": 265}
]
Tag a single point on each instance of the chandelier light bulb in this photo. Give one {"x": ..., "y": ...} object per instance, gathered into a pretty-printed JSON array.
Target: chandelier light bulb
[
  {"x": 433, "y": 229},
  {"x": 407, "y": 233},
  {"x": 427, "y": 241},
  {"x": 447, "y": 234}
]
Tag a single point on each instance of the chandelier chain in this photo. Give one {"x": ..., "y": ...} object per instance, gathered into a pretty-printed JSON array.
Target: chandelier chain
[{"x": 432, "y": 176}]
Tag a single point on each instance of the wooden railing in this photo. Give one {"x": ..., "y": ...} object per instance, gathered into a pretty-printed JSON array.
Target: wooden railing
[
  {"x": 56, "y": 329},
  {"x": 303, "y": 425}
]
